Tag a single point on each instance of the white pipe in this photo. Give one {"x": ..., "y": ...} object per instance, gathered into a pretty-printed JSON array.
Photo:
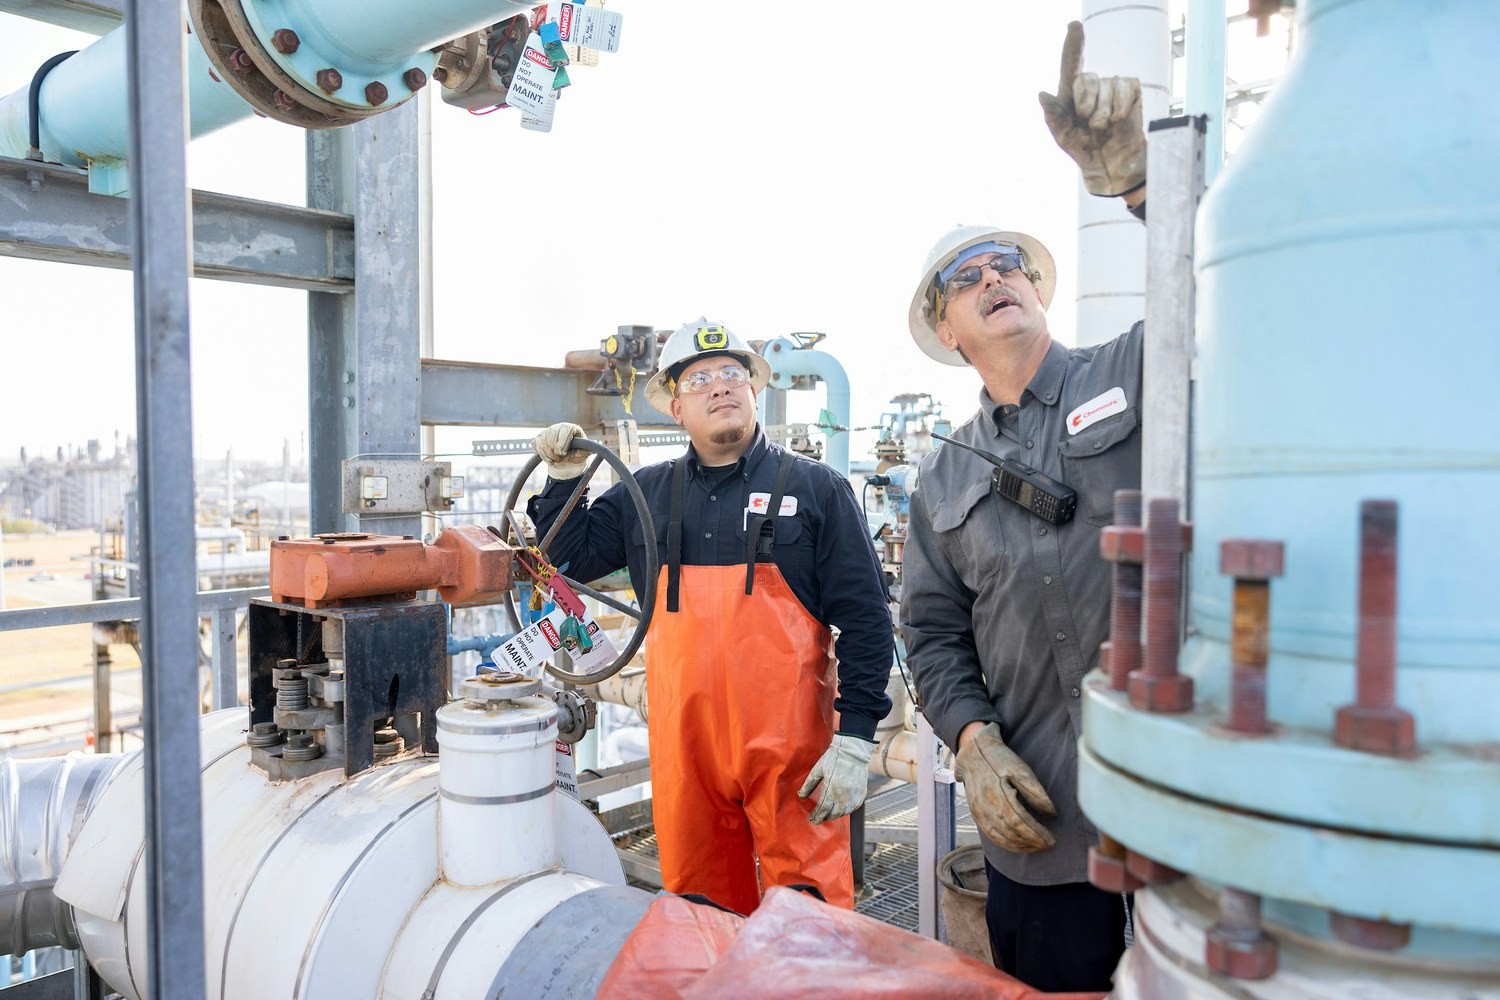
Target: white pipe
[
  {"x": 628, "y": 688},
  {"x": 496, "y": 784},
  {"x": 1119, "y": 40},
  {"x": 787, "y": 362},
  {"x": 43, "y": 804},
  {"x": 327, "y": 886}
]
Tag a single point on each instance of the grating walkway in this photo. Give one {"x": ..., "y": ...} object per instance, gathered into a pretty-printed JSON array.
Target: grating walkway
[{"x": 889, "y": 892}]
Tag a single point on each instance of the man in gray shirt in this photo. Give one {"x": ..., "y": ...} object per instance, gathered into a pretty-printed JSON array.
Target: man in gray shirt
[{"x": 1004, "y": 608}]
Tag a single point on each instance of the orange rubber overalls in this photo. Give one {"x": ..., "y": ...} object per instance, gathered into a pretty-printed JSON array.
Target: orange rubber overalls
[{"x": 740, "y": 687}]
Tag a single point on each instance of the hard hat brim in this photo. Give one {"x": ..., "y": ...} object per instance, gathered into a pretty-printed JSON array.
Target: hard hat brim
[{"x": 921, "y": 319}]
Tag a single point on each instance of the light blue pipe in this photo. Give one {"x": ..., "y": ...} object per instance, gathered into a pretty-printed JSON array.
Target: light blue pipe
[
  {"x": 1205, "y": 45},
  {"x": 83, "y": 100},
  {"x": 787, "y": 362}
]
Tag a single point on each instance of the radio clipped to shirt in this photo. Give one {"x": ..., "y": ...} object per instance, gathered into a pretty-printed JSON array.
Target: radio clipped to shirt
[{"x": 1048, "y": 499}]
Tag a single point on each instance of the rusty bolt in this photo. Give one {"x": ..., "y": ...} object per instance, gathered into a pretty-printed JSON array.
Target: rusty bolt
[
  {"x": 1374, "y": 723},
  {"x": 1157, "y": 686},
  {"x": 240, "y": 62},
  {"x": 414, "y": 79},
  {"x": 1148, "y": 870},
  {"x": 330, "y": 80},
  {"x": 1236, "y": 946},
  {"x": 284, "y": 101},
  {"x": 1123, "y": 654},
  {"x": 1107, "y": 869},
  {"x": 376, "y": 94},
  {"x": 285, "y": 41},
  {"x": 440, "y": 74},
  {"x": 1374, "y": 935},
  {"x": 1252, "y": 562}
]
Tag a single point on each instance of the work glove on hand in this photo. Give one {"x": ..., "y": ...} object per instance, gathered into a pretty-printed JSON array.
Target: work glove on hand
[
  {"x": 555, "y": 446},
  {"x": 844, "y": 773},
  {"x": 1097, "y": 122},
  {"x": 995, "y": 780}
]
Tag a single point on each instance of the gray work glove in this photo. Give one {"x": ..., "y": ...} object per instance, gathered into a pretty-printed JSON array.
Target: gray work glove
[
  {"x": 995, "y": 781},
  {"x": 1097, "y": 122},
  {"x": 844, "y": 773},
  {"x": 555, "y": 446}
]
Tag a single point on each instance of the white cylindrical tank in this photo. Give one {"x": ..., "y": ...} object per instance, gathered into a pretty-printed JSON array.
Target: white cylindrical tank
[
  {"x": 495, "y": 815},
  {"x": 328, "y": 886}
]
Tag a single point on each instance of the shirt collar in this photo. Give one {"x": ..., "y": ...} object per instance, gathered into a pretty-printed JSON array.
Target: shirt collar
[
  {"x": 1045, "y": 385},
  {"x": 753, "y": 454}
]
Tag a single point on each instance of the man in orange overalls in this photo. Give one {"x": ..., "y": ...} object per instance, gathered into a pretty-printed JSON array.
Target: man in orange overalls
[{"x": 763, "y": 551}]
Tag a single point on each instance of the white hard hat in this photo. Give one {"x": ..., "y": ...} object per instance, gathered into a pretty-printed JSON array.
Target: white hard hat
[
  {"x": 923, "y": 316},
  {"x": 700, "y": 338}
]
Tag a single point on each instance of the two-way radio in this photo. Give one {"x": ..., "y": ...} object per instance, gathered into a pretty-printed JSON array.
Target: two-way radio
[{"x": 1019, "y": 483}]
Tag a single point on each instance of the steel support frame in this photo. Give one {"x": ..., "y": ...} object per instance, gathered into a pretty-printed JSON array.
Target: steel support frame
[
  {"x": 47, "y": 213},
  {"x": 937, "y": 832},
  {"x": 160, "y": 249}
]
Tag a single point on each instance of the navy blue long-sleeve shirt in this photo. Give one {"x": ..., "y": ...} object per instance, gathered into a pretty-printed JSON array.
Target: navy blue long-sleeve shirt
[{"x": 823, "y": 550}]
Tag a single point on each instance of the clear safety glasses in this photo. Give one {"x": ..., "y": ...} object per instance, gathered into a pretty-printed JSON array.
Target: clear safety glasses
[{"x": 733, "y": 376}]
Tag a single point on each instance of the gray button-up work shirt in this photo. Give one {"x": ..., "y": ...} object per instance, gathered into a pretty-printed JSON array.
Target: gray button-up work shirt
[{"x": 1003, "y": 613}]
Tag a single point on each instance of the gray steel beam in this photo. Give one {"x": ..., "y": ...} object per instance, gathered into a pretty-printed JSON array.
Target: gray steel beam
[
  {"x": 330, "y": 342},
  {"x": 98, "y": 17},
  {"x": 123, "y": 609},
  {"x": 47, "y": 213},
  {"x": 159, "y": 240},
  {"x": 470, "y": 394}
]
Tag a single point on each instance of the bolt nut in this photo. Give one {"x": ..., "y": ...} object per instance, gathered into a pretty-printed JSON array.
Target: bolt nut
[
  {"x": 1230, "y": 953},
  {"x": 1110, "y": 874},
  {"x": 376, "y": 94},
  {"x": 285, "y": 41},
  {"x": 1375, "y": 730},
  {"x": 1375, "y": 935},
  {"x": 330, "y": 80},
  {"x": 1123, "y": 543},
  {"x": 240, "y": 62},
  {"x": 1150, "y": 871},
  {"x": 440, "y": 74},
  {"x": 1250, "y": 558},
  {"x": 284, "y": 101},
  {"x": 1169, "y": 693},
  {"x": 414, "y": 79}
]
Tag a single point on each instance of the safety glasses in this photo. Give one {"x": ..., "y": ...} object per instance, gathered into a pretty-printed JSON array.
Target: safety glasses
[
  {"x": 974, "y": 273},
  {"x": 733, "y": 376}
]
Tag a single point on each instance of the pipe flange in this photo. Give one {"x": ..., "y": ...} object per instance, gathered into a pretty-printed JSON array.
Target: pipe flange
[
  {"x": 242, "y": 62},
  {"x": 576, "y": 714},
  {"x": 486, "y": 689}
]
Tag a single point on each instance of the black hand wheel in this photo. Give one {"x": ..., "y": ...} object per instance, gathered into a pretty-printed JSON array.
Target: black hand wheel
[{"x": 646, "y": 599}]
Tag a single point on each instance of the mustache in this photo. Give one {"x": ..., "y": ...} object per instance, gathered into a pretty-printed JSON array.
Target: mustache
[{"x": 996, "y": 294}]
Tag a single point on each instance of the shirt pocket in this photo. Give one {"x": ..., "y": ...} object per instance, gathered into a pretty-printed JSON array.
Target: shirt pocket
[
  {"x": 1101, "y": 459},
  {"x": 972, "y": 535},
  {"x": 793, "y": 549}
]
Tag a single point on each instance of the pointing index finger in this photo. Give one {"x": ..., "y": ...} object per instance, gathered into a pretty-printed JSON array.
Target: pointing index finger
[{"x": 1072, "y": 58}]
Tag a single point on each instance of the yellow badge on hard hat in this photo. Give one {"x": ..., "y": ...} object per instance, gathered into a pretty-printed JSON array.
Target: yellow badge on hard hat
[{"x": 711, "y": 338}]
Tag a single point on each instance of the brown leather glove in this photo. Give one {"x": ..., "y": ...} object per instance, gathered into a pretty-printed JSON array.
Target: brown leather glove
[
  {"x": 1097, "y": 122},
  {"x": 995, "y": 781}
]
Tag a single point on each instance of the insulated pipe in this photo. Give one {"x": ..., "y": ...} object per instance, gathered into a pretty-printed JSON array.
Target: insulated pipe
[
  {"x": 628, "y": 688},
  {"x": 43, "y": 804},
  {"x": 787, "y": 362},
  {"x": 1120, "y": 40},
  {"x": 496, "y": 817},
  {"x": 82, "y": 100}
]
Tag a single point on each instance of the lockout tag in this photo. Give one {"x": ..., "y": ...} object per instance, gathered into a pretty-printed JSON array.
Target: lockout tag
[
  {"x": 533, "y": 80},
  {"x": 565, "y": 767},
  {"x": 541, "y": 121},
  {"x": 526, "y": 650},
  {"x": 589, "y": 27}
]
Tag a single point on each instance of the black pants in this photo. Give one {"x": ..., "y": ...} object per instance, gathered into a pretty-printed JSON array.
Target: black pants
[{"x": 1055, "y": 938}]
